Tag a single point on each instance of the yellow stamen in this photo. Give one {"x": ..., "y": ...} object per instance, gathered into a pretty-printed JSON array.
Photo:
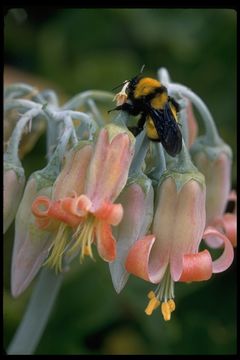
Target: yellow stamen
[
  {"x": 172, "y": 305},
  {"x": 84, "y": 238},
  {"x": 58, "y": 248},
  {"x": 87, "y": 250},
  {"x": 151, "y": 294},
  {"x": 152, "y": 305},
  {"x": 165, "y": 308}
]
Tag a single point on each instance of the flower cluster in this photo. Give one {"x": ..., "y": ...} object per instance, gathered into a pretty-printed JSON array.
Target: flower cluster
[{"x": 145, "y": 211}]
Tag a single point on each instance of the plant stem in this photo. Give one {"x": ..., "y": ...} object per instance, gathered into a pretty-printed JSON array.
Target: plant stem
[
  {"x": 36, "y": 316},
  {"x": 211, "y": 130}
]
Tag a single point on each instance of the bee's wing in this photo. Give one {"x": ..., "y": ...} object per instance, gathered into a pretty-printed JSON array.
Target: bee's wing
[{"x": 167, "y": 129}]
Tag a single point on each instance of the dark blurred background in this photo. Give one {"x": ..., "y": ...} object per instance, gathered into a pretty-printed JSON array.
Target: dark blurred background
[{"x": 79, "y": 49}]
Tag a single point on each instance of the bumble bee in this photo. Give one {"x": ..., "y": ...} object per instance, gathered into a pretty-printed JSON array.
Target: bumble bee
[{"x": 148, "y": 98}]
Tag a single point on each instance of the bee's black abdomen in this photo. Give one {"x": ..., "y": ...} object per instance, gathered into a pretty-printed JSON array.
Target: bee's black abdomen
[{"x": 167, "y": 129}]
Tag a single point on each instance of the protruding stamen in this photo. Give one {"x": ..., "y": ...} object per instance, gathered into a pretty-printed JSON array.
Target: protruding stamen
[
  {"x": 58, "y": 249},
  {"x": 172, "y": 305},
  {"x": 151, "y": 294},
  {"x": 165, "y": 294},
  {"x": 165, "y": 308},
  {"x": 84, "y": 236},
  {"x": 152, "y": 305}
]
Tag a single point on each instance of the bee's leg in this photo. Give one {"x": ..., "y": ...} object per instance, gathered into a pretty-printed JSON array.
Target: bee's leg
[
  {"x": 129, "y": 108},
  {"x": 139, "y": 128}
]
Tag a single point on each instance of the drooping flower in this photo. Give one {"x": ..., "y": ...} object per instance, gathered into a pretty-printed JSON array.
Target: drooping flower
[
  {"x": 13, "y": 186},
  {"x": 171, "y": 252},
  {"x": 83, "y": 198},
  {"x": 31, "y": 244},
  {"x": 215, "y": 164},
  {"x": 137, "y": 201}
]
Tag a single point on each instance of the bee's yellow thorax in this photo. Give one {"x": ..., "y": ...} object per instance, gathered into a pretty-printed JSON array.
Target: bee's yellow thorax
[
  {"x": 145, "y": 86},
  {"x": 159, "y": 101}
]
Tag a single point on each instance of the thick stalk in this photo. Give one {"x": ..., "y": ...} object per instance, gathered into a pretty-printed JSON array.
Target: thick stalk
[{"x": 36, "y": 316}]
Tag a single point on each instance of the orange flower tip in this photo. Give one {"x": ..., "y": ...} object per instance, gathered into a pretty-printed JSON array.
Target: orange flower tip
[
  {"x": 40, "y": 206},
  {"x": 84, "y": 203},
  {"x": 166, "y": 311},
  {"x": 152, "y": 305}
]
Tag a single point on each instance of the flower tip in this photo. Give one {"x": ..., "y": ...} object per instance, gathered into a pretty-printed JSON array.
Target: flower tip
[{"x": 119, "y": 276}]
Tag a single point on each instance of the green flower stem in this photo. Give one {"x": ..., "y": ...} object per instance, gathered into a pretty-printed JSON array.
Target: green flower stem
[
  {"x": 160, "y": 160},
  {"x": 81, "y": 98},
  {"x": 19, "y": 90},
  {"x": 96, "y": 112},
  {"x": 53, "y": 118},
  {"x": 141, "y": 147},
  {"x": 21, "y": 104},
  {"x": 163, "y": 76},
  {"x": 50, "y": 96},
  {"x": 11, "y": 154},
  {"x": 211, "y": 131},
  {"x": 36, "y": 316},
  {"x": 182, "y": 163}
]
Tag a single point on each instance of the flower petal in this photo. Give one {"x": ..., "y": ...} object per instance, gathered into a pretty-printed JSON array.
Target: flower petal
[
  {"x": 108, "y": 170},
  {"x": 12, "y": 193},
  {"x": 196, "y": 267},
  {"x": 227, "y": 224},
  {"x": 137, "y": 201},
  {"x": 226, "y": 259},
  {"x": 72, "y": 176},
  {"x": 106, "y": 244},
  {"x": 111, "y": 213},
  {"x": 189, "y": 224},
  {"x": 230, "y": 227},
  {"x": 137, "y": 262},
  {"x": 31, "y": 245}
]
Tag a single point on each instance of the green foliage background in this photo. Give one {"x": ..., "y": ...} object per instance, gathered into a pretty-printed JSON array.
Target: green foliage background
[{"x": 81, "y": 49}]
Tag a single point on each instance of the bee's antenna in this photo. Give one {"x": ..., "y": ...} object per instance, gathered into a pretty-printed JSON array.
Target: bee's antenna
[
  {"x": 120, "y": 85},
  {"x": 142, "y": 68}
]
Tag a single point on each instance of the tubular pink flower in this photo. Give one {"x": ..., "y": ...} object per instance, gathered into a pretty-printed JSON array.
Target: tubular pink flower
[
  {"x": 31, "y": 245},
  {"x": 171, "y": 253},
  {"x": 83, "y": 197},
  {"x": 137, "y": 202},
  {"x": 217, "y": 174}
]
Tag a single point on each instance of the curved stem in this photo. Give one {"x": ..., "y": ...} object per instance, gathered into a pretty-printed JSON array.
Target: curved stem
[
  {"x": 11, "y": 154},
  {"x": 211, "y": 130},
  {"x": 163, "y": 76},
  {"x": 95, "y": 111},
  {"x": 35, "y": 318},
  {"x": 80, "y": 99}
]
